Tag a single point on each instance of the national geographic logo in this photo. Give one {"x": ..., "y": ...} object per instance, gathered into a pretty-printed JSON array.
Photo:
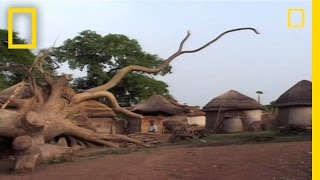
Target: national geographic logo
[
  {"x": 296, "y": 18},
  {"x": 33, "y": 43}
]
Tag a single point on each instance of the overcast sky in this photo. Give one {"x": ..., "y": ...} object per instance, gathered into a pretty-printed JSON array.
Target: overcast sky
[{"x": 271, "y": 62}]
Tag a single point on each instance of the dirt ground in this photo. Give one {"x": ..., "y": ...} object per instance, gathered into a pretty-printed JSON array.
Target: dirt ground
[{"x": 272, "y": 161}]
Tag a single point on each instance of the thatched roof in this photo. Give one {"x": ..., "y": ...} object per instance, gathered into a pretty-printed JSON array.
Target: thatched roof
[
  {"x": 193, "y": 111},
  {"x": 232, "y": 100},
  {"x": 157, "y": 105},
  {"x": 298, "y": 95}
]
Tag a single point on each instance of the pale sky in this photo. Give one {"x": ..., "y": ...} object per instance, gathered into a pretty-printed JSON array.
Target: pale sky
[{"x": 271, "y": 62}]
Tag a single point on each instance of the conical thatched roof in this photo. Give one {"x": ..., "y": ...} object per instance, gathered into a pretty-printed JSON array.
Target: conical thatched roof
[
  {"x": 157, "y": 105},
  {"x": 232, "y": 100},
  {"x": 298, "y": 95}
]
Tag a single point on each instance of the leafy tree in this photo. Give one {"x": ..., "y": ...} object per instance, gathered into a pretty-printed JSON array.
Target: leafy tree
[
  {"x": 10, "y": 57},
  {"x": 103, "y": 56}
]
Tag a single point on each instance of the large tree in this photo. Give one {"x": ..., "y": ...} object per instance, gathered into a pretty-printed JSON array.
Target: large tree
[
  {"x": 46, "y": 110},
  {"x": 103, "y": 56}
]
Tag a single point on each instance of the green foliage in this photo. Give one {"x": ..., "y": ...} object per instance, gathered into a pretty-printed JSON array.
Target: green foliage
[
  {"x": 259, "y": 92},
  {"x": 4, "y": 83},
  {"x": 10, "y": 57},
  {"x": 270, "y": 108},
  {"x": 103, "y": 56}
]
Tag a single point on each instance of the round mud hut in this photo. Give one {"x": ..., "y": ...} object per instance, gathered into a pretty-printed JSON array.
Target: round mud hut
[
  {"x": 223, "y": 112},
  {"x": 159, "y": 108},
  {"x": 295, "y": 105}
]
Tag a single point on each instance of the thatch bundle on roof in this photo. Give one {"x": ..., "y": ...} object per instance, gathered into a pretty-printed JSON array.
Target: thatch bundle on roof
[
  {"x": 295, "y": 105},
  {"x": 232, "y": 104}
]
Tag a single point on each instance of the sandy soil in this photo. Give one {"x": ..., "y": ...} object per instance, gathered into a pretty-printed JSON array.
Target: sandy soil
[{"x": 272, "y": 161}]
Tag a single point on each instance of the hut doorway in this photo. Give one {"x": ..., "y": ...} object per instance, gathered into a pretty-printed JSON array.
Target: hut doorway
[{"x": 142, "y": 125}]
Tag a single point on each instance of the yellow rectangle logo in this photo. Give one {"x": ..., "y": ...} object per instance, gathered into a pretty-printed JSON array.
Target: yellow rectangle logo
[
  {"x": 33, "y": 43},
  {"x": 302, "y": 14}
]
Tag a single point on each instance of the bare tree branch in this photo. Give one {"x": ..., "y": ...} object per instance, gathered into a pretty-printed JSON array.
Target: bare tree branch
[
  {"x": 38, "y": 63},
  {"x": 78, "y": 98},
  {"x": 217, "y": 38},
  {"x": 184, "y": 40},
  {"x": 124, "y": 71}
]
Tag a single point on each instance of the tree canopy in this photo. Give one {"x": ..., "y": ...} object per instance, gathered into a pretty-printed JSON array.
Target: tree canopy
[
  {"x": 102, "y": 56},
  {"x": 11, "y": 57}
]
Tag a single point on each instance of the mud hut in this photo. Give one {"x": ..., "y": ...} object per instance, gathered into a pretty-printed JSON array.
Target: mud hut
[
  {"x": 159, "y": 108},
  {"x": 295, "y": 105},
  {"x": 142, "y": 125},
  {"x": 225, "y": 110},
  {"x": 232, "y": 124},
  {"x": 99, "y": 118},
  {"x": 195, "y": 116}
]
